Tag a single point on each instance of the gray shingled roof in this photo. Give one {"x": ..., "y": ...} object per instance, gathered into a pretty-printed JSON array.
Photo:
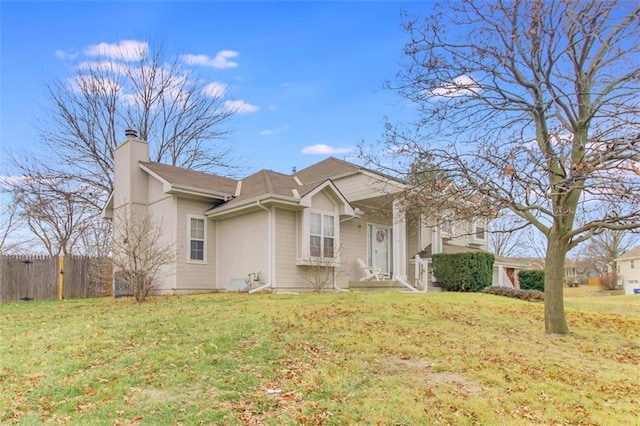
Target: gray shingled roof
[
  {"x": 192, "y": 179},
  {"x": 327, "y": 168},
  {"x": 264, "y": 182}
]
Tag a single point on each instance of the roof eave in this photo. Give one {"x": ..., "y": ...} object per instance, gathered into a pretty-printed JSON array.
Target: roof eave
[
  {"x": 252, "y": 202},
  {"x": 189, "y": 190}
]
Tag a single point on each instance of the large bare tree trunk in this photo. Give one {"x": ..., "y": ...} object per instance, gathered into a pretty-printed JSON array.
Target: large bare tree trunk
[{"x": 554, "y": 320}]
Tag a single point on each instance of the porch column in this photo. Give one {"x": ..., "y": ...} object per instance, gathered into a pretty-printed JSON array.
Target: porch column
[{"x": 399, "y": 240}]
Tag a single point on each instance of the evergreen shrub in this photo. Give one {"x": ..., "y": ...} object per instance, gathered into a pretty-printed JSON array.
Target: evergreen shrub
[
  {"x": 531, "y": 280},
  {"x": 465, "y": 272}
]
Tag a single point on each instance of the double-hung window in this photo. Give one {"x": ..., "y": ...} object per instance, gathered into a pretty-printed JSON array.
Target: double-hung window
[
  {"x": 321, "y": 235},
  {"x": 197, "y": 239}
]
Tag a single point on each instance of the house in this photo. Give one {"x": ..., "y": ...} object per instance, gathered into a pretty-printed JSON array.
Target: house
[
  {"x": 628, "y": 270},
  {"x": 269, "y": 230}
]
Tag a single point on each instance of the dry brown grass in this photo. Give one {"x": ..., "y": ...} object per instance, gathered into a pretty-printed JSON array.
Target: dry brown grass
[{"x": 387, "y": 358}]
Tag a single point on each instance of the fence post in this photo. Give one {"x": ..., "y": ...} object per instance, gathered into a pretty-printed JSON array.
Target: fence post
[{"x": 60, "y": 277}]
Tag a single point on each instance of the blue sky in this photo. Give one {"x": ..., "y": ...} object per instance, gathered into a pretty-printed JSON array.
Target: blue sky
[{"x": 309, "y": 74}]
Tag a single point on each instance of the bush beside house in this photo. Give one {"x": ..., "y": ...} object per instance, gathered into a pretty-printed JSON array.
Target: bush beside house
[
  {"x": 465, "y": 272},
  {"x": 531, "y": 280}
]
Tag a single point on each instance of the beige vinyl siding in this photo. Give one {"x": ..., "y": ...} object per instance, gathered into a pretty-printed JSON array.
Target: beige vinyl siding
[
  {"x": 194, "y": 276},
  {"x": 361, "y": 187},
  {"x": 163, "y": 213},
  {"x": 155, "y": 191},
  {"x": 353, "y": 240},
  {"x": 287, "y": 242},
  {"x": 243, "y": 247},
  {"x": 627, "y": 272},
  {"x": 459, "y": 235},
  {"x": 322, "y": 202}
]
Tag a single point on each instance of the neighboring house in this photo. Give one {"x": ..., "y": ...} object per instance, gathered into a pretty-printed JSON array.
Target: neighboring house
[
  {"x": 628, "y": 270},
  {"x": 270, "y": 229},
  {"x": 576, "y": 270}
]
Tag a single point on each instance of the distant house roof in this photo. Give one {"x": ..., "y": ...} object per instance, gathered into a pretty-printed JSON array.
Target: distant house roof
[
  {"x": 631, "y": 254},
  {"x": 532, "y": 262},
  {"x": 454, "y": 249}
]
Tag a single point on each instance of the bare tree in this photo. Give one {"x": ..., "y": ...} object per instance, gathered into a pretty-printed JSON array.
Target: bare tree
[
  {"x": 51, "y": 210},
  {"x": 604, "y": 248},
  {"x": 139, "y": 252},
  {"x": 531, "y": 105},
  {"x": 10, "y": 221},
  {"x": 321, "y": 273},
  {"x": 182, "y": 116},
  {"x": 506, "y": 237}
]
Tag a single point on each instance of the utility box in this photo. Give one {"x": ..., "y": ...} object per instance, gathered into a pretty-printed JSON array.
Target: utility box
[{"x": 238, "y": 284}]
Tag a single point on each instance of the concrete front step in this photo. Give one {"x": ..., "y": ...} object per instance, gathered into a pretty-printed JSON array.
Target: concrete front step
[
  {"x": 384, "y": 285},
  {"x": 369, "y": 286}
]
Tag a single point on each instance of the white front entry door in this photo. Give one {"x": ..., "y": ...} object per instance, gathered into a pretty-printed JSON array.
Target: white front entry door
[{"x": 380, "y": 248}]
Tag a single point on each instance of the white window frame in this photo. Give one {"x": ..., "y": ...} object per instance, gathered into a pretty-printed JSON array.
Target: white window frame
[
  {"x": 632, "y": 264},
  {"x": 306, "y": 237},
  {"x": 479, "y": 223},
  {"x": 190, "y": 217},
  {"x": 322, "y": 235}
]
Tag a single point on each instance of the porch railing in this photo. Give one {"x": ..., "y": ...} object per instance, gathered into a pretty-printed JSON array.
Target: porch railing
[{"x": 422, "y": 273}]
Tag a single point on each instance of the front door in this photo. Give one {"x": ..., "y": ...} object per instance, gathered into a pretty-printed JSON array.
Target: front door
[{"x": 380, "y": 248}]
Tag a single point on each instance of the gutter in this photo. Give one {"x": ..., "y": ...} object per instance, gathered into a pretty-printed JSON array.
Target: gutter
[{"x": 269, "y": 253}]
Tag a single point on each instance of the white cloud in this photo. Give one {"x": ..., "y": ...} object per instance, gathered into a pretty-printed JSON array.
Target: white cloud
[
  {"x": 462, "y": 85},
  {"x": 240, "y": 107},
  {"x": 103, "y": 66},
  {"x": 127, "y": 50},
  {"x": 93, "y": 84},
  {"x": 324, "y": 149},
  {"x": 215, "y": 90},
  {"x": 270, "y": 132},
  {"x": 221, "y": 60}
]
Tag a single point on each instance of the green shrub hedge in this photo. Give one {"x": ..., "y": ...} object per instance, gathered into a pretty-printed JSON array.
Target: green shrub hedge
[
  {"x": 531, "y": 280},
  {"x": 468, "y": 272}
]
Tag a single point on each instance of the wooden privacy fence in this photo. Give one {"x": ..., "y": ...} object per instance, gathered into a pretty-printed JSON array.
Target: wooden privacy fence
[{"x": 38, "y": 277}]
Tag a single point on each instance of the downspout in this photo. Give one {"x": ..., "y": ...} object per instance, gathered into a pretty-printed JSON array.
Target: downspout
[
  {"x": 269, "y": 251},
  {"x": 335, "y": 286},
  {"x": 406, "y": 284}
]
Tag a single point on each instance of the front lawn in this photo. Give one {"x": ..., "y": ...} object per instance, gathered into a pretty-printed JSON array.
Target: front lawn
[{"x": 388, "y": 358}]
